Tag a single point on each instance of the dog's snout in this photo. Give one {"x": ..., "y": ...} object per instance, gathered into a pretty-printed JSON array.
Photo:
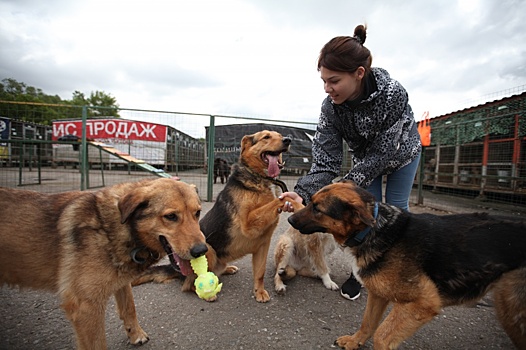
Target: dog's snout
[
  {"x": 287, "y": 141},
  {"x": 198, "y": 250}
]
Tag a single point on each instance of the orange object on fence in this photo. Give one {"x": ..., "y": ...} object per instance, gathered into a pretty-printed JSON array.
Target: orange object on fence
[{"x": 424, "y": 129}]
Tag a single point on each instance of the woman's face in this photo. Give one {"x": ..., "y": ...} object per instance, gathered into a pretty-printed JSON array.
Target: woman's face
[{"x": 342, "y": 86}]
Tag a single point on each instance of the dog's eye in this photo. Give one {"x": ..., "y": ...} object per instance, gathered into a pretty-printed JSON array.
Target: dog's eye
[
  {"x": 171, "y": 217},
  {"x": 266, "y": 137},
  {"x": 198, "y": 214}
]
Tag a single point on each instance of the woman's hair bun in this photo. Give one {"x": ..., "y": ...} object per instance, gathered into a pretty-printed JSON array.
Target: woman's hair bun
[{"x": 360, "y": 33}]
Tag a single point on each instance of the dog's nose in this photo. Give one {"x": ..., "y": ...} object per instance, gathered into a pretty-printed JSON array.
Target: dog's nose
[
  {"x": 287, "y": 141},
  {"x": 198, "y": 250}
]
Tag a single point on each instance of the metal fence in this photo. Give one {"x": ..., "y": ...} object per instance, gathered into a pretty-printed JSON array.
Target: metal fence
[
  {"x": 55, "y": 148},
  {"x": 480, "y": 152},
  {"x": 40, "y": 149}
]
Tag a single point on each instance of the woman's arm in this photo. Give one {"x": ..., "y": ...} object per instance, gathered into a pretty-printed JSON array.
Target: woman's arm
[{"x": 326, "y": 154}]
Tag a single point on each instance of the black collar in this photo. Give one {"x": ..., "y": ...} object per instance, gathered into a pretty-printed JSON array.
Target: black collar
[
  {"x": 279, "y": 183},
  {"x": 359, "y": 237},
  {"x": 276, "y": 182},
  {"x": 142, "y": 255}
]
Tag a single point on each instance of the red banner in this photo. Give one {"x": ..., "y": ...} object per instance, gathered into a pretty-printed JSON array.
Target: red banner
[{"x": 111, "y": 129}]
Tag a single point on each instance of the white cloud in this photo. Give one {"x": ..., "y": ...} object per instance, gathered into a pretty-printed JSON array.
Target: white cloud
[{"x": 258, "y": 57}]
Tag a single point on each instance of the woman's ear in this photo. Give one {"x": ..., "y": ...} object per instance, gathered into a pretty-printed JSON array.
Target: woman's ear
[{"x": 360, "y": 72}]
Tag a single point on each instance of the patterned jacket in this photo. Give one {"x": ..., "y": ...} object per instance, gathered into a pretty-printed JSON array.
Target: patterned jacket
[{"x": 380, "y": 131}]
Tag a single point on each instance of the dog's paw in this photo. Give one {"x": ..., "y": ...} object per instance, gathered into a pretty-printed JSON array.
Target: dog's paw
[
  {"x": 328, "y": 283},
  {"x": 230, "y": 270},
  {"x": 347, "y": 342},
  {"x": 262, "y": 296},
  {"x": 331, "y": 285},
  {"x": 137, "y": 336},
  {"x": 279, "y": 286},
  {"x": 281, "y": 289}
]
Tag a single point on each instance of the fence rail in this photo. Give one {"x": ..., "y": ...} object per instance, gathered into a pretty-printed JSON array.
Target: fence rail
[{"x": 32, "y": 156}]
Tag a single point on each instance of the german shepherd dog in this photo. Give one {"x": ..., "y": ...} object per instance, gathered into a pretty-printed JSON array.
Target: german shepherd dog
[
  {"x": 304, "y": 255},
  {"x": 420, "y": 262},
  {"x": 244, "y": 215},
  {"x": 87, "y": 246}
]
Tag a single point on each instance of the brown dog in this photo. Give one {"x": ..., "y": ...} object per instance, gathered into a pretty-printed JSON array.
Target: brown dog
[
  {"x": 244, "y": 216},
  {"x": 304, "y": 255},
  {"x": 87, "y": 246},
  {"x": 421, "y": 262}
]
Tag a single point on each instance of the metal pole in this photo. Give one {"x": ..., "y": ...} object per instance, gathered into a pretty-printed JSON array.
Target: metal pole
[
  {"x": 421, "y": 177},
  {"x": 210, "y": 163},
  {"x": 177, "y": 154},
  {"x": 84, "y": 151}
]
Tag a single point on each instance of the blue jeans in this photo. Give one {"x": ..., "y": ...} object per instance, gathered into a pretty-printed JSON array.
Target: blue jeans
[{"x": 398, "y": 186}]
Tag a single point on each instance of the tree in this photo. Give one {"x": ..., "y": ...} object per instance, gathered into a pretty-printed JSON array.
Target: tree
[{"x": 99, "y": 103}]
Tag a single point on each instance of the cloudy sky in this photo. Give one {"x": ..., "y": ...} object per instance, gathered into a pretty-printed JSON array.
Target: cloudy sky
[{"x": 258, "y": 57}]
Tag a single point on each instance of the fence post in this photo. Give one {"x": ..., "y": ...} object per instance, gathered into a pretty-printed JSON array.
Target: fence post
[
  {"x": 84, "y": 168},
  {"x": 420, "y": 200},
  {"x": 210, "y": 160}
]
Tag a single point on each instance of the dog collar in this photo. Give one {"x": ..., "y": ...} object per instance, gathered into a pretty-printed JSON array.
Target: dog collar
[
  {"x": 358, "y": 238},
  {"x": 279, "y": 183},
  {"x": 134, "y": 255},
  {"x": 275, "y": 181}
]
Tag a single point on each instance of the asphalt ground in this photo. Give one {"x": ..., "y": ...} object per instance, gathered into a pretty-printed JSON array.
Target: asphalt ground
[{"x": 308, "y": 316}]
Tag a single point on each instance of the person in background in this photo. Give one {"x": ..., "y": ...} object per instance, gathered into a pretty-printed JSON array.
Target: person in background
[{"x": 370, "y": 111}]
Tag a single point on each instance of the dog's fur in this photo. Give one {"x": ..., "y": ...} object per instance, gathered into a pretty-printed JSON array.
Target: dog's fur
[
  {"x": 304, "y": 255},
  {"x": 421, "y": 262},
  {"x": 244, "y": 215},
  {"x": 87, "y": 246}
]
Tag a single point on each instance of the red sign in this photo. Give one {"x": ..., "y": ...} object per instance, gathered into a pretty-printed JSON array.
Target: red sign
[{"x": 111, "y": 129}]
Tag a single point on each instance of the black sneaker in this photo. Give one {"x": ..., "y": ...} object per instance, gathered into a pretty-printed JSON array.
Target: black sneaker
[{"x": 351, "y": 289}]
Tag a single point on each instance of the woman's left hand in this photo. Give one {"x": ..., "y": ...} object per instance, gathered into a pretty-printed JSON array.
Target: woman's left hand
[{"x": 288, "y": 206}]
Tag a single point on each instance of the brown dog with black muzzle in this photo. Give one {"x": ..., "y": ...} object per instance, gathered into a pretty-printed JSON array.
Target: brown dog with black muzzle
[
  {"x": 244, "y": 216},
  {"x": 420, "y": 263},
  {"x": 88, "y": 246}
]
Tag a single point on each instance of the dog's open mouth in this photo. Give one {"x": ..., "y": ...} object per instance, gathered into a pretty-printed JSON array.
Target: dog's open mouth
[
  {"x": 179, "y": 264},
  {"x": 273, "y": 161}
]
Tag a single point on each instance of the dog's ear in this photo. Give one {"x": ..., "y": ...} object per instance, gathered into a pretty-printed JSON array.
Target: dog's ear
[
  {"x": 194, "y": 187},
  {"x": 357, "y": 203},
  {"x": 247, "y": 141},
  {"x": 130, "y": 203},
  {"x": 364, "y": 213}
]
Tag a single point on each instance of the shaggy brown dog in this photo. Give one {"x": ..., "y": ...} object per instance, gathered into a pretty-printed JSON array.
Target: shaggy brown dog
[
  {"x": 421, "y": 262},
  {"x": 88, "y": 246},
  {"x": 304, "y": 255},
  {"x": 244, "y": 215}
]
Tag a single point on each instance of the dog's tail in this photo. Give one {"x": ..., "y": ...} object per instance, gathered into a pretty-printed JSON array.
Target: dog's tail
[{"x": 157, "y": 274}]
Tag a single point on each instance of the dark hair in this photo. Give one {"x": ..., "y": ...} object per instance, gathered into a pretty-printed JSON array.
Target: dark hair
[{"x": 346, "y": 53}]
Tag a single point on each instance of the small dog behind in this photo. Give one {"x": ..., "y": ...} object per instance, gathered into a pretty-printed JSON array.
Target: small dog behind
[
  {"x": 221, "y": 170},
  {"x": 88, "y": 246},
  {"x": 304, "y": 255},
  {"x": 420, "y": 263}
]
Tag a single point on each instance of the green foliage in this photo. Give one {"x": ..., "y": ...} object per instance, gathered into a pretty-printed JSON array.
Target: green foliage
[{"x": 32, "y": 104}]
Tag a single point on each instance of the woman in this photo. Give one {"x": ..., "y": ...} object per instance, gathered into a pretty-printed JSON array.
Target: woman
[{"x": 370, "y": 111}]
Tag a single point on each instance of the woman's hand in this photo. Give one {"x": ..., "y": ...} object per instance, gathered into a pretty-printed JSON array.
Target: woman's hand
[{"x": 288, "y": 206}]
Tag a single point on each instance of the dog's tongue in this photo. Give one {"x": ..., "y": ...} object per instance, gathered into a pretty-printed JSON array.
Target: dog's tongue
[
  {"x": 273, "y": 167},
  {"x": 184, "y": 265}
]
